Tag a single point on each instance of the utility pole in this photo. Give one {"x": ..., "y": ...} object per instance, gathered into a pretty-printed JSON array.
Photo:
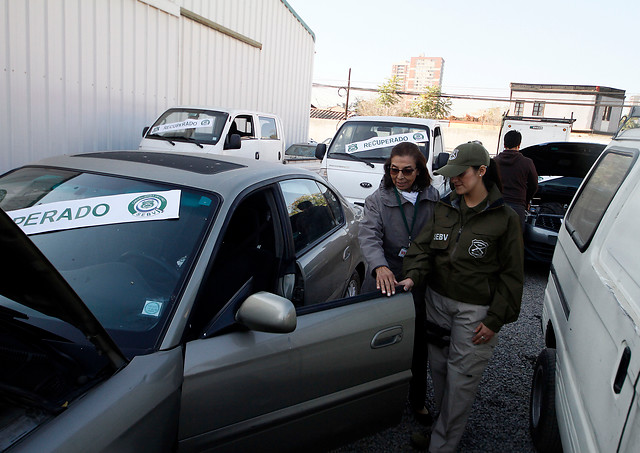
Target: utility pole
[{"x": 346, "y": 108}]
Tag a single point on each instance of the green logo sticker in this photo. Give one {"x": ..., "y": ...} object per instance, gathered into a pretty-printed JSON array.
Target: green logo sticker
[
  {"x": 351, "y": 148},
  {"x": 418, "y": 136},
  {"x": 148, "y": 205}
]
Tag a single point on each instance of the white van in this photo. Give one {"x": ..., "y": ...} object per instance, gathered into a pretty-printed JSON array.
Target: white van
[
  {"x": 229, "y": 132},
  {"x": 584, "y": 395},
  {"x": 355, "y": 159}
]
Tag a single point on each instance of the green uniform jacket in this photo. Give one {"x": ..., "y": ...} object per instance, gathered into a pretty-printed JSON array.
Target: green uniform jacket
[{"x": 479, "y": 263}]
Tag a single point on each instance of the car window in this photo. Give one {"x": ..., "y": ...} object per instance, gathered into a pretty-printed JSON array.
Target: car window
[
  {"x": 595, "y": 196},
  {"x": 247, "y": 260},
  {"x": 312, "y": 215},
  {"x": 268, "y": 128},
  {"x": 333, "y": 202},
  {"x": 244, "y": 126}
]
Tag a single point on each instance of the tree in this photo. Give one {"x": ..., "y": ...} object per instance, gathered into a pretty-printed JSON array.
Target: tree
[
  {"x": 431, "y": 104},
  {"x": 388, "y": 92}
]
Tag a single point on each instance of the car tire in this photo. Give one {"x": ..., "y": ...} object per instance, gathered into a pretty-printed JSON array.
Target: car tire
[
  {"x": 353, "y": 286},
  {"x": 543, "y": 423}
]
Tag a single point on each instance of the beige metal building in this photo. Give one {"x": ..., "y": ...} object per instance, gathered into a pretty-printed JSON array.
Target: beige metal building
[{"x": 89, "y": 75}]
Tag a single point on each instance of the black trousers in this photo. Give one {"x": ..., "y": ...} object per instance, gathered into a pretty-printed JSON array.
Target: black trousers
[{"x": 418, "y": 383}]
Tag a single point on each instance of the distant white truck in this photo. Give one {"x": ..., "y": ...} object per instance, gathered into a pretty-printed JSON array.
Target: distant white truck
[
  {"x": 536, "y": 130},
  {"x": 354, "y": 161},
  {"x": 229, "y": 132}
]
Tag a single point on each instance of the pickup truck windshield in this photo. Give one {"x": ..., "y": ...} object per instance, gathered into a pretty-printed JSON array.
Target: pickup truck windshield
[
  {"x": 374, "y": 140},
  {"x": 192, "y": 125}
]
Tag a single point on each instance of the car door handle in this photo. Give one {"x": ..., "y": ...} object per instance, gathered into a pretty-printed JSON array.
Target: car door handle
[
  {"x": 387, "y": 337},
  {"x": 621, "y": 375},
  {"x": 346, "y": 254}
]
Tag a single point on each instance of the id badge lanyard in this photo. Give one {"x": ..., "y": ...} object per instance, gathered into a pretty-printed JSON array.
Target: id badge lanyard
[{"x": 403, "y": 250}]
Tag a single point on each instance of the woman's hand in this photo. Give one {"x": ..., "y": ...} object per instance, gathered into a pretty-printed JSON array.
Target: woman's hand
[
  {"x": 483, "y": 334},
  {"x": 407, "y": 284},
  {"x": 385, "y": 280}
]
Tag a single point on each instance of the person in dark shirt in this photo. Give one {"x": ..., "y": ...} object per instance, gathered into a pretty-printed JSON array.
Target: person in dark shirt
[{"x": 518, "y": 175}]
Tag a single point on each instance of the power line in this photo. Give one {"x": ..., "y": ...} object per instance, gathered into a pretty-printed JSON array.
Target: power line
[{"x": 470, "y": 97}]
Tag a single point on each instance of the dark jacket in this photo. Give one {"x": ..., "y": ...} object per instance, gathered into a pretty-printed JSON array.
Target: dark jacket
[
  {"x": 382, "y": 233},
  {"x": 481, "y": 262},
  {"x": 519, "y": 177}
]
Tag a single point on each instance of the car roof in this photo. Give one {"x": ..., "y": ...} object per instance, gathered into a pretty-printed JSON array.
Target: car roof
[
  {"x": 222, "y": 174},
  {"x": 231, "y": 112},
  {"x": 395, "y": 119}
]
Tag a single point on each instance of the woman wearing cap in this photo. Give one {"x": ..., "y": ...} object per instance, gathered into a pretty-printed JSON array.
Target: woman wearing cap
[
  {"x": 393, "y": 215},
  {"x": 471, "y": 256}
]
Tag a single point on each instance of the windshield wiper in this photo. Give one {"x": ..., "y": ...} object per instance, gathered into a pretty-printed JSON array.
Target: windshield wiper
[
  {"x": 354, "y": 157},
  {"x": 162, "y": 138},
  {"x": 192, "y": 140},
  {"x": 15, "y": 395}
]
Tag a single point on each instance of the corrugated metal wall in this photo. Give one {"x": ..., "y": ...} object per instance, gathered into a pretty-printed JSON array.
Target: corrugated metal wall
[{"x": 85, "y": 75}]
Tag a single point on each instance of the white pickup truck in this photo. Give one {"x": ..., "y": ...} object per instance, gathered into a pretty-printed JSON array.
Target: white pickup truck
[
  {"x": 230, "y": 132},
  {"x": 354, "y": 162}
]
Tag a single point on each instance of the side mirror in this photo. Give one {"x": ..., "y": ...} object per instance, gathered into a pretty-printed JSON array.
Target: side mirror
[
  {"x": 266, "y": 312},
  {"x": 440, "y": 161},
  {"x": 321, "y": 149},
  {"x": 144, "y": 131},
  {"x": 233, "y": 142}
]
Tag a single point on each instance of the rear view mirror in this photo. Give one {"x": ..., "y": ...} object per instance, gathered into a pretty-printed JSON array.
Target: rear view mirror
[
  {"x": 321, "y": 149},
  {"x": 266, "y": 312},
  {"x": 440, "y": 161},
  {"x": 234, "y": 142}
]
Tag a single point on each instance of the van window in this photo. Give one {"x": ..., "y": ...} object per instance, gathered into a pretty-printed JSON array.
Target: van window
[
  {"x": 596, "y": 194},
  {"x": 268, "y": 130}
]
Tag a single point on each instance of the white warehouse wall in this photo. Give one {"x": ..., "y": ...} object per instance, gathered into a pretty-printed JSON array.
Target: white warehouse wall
[{"x": 86, "y": 75}]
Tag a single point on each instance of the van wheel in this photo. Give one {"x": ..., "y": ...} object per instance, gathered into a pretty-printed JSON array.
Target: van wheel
[
  {"x": 353, "y": 287},
  {"x": 543, "y": 423}
]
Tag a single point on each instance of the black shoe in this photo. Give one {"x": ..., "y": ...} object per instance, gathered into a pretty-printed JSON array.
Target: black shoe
[
  {"x": 421, "y": 439},
  {"x": 423, "y": 419}
]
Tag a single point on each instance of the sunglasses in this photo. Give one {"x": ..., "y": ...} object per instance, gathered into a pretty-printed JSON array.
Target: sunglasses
[{"x": 405, "y": 171}]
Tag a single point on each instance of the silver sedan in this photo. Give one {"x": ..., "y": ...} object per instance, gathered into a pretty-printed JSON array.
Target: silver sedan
[{"x": 163, "y": 302}]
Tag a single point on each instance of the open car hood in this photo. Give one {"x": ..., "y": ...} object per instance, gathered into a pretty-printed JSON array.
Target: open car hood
[
  {"x": 27, "y": 277},
  {"x": 564, "y": 158}
]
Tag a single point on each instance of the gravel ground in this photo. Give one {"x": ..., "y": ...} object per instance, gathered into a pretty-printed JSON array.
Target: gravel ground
[{"x": 499, "y": 419}]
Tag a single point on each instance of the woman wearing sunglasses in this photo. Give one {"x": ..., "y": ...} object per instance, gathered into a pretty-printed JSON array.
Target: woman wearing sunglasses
[
  {"x": 472, "y": 258},
  {"x": 393, "y": 215}
]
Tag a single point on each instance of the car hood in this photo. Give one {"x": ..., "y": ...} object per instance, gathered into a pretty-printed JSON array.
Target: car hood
[
  {"x": 563, "y": 158},
  {"x": 27, "y": 277}
]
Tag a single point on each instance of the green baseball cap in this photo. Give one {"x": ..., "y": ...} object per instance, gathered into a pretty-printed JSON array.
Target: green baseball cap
[{"x": 470, "y": 154}]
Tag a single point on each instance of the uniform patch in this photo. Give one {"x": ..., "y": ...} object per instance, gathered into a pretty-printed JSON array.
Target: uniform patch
[
  {"x": 478, "y": 248},
  {"x": 453, "y": 154}
]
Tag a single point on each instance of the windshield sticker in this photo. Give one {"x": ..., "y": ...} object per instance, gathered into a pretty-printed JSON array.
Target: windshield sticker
[
  {"x": 187, "y": 124},
  {"x": 391, "y": 140},
  {"x": 152, "y": 308},
  {"x": 112, "y": 209}
]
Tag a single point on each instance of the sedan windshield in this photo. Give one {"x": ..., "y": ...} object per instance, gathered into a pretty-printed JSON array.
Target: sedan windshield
[
  {"x": 374, "y": 140},
  {"x": 125, "y": 246},
  {"x": 191, "y": 125}
]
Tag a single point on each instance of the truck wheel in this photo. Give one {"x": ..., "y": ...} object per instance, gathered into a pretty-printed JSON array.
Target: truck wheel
[
  {"x": 353, "y": 287},
  {"x": 543, "y": 423}
]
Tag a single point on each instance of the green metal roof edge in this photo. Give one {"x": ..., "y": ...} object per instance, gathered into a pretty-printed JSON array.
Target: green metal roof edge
[{"x": 313, "y": 35}]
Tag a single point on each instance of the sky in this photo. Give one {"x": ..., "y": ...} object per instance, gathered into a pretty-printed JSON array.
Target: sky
[{"x": 486, "y": 45}]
